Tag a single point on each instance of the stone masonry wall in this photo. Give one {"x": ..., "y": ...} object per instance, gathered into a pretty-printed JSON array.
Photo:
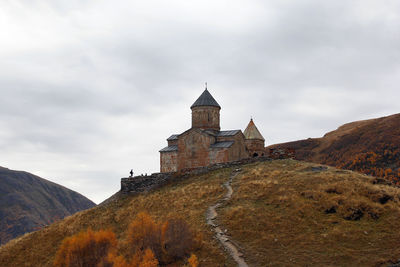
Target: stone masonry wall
[
  {"x": 218, "y": 155},
  {"x": 254, "y": 145},
  {"x": 238, "y": 150},
  {"x": 169, "y": 161},
  {"x": 193, "y": 148},
  {"x": 144, "y": 183},
  {"x": 205, "y": 118},
  {"x": 139, "y": 184}
]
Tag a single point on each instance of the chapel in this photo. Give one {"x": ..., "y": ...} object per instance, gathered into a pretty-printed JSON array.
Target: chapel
[{"x": 205, "y": 144}]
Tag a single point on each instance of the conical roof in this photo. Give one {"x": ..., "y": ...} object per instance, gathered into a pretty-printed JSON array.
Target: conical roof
[
  {"x": 205, "y": 99},
  {"x": 252, "y": 132}
]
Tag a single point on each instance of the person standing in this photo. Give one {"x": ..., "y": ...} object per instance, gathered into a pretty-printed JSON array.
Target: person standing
[{"x": 131, "y": 172}]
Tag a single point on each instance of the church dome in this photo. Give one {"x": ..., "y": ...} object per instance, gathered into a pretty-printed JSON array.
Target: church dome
[
  {"x": 252, "y": 132},
  {"x": 205, "y": 99}
]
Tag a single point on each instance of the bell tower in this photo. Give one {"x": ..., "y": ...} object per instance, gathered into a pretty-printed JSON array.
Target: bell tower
[
  {"x": 205, "y": 112},
  {"x": 254, "y": 141}
]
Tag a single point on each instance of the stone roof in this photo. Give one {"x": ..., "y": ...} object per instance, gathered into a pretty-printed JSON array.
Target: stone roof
[
  {"x": 252, "y": 132},
  {"x": 173, "y": 137},
  {"x": 205, "y": 99},
  {"x": 225, "y": 144},
  {"x": 169, "y": 148},
  {"x": 228, "y": 133}
]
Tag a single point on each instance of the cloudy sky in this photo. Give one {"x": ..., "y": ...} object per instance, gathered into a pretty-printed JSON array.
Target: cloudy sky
[{"x": 91, "y": 89}]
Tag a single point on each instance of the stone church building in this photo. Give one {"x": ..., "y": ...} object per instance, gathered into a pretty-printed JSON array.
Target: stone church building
[{"x": 205, "y": 144}]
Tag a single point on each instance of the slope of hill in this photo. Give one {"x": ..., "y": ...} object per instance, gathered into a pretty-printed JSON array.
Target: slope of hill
[
  {"x": 281, "y": 213},
  {"x": 370, "y": 146},
  {"x": 28, "y": 202}
]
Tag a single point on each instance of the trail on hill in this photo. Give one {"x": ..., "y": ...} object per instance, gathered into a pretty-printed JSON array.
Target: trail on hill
[{"x": 221, "y": 235}]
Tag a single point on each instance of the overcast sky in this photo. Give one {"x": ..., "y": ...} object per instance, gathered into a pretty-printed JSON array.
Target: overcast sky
[{"x": 91, "y": 89}]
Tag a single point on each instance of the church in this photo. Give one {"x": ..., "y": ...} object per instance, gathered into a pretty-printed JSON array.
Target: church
[{"x": 205, "y": 144}]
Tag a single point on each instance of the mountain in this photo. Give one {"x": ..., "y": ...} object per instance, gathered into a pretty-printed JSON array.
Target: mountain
[
  {"x": 280, "y": 213},
  {"x": 28, "y": 202},
  {"x": 370, "y": 146}
]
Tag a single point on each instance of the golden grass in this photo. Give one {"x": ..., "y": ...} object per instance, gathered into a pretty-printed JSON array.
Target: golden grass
[
  {"x": 284, "y": 214},
  {"x": 189, "y": 199},
  {"x": 281, "y": 214}
]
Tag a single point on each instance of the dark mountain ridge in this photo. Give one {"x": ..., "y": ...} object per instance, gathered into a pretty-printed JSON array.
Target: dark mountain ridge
[{"x": 28, "y": 202}]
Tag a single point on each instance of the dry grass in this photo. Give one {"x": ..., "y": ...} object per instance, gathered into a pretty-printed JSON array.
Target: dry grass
[
  {"x": 189, "y": 198},
  {"x": 281, "y": 214},
  {"x": 284, "y": 214}
]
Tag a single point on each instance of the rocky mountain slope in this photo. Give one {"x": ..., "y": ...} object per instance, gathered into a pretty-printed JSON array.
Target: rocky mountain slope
[
  {"x": 278, "y": 213},
  {"x": 28, "y": 202},
  {"x": 369, "y": 146}
]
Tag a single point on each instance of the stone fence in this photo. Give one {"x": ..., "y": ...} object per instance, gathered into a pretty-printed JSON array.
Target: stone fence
[{"x": 145, "y": 183}]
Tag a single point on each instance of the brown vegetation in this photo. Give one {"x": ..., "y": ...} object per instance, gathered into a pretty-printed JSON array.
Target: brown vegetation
[
  {"x": 282, "y": 213},
  {"x": 189, "y": 198},
  {"x": 147, "y": 245},
  {"x": 144, "y": 233},
  {"x": 371, "y": 147},
  {"x": 86, "y": 249},
  {"x": 193, "y": 262},
  {"x": 287, "y": 213},
  {"x": 177, "y": 239}
]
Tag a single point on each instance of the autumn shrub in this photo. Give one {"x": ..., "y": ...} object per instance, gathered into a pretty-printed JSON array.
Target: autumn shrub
[
  {"x": 193, "y": 261},
  {"x": 149, "y": 260},
  {"x": 177, "y": 239},
  {"x": 140, "y": 259},
  {"x": 147, "y": 244},
  {"x": 86, "y": 249},
  {"x": 144, "y": 233}
]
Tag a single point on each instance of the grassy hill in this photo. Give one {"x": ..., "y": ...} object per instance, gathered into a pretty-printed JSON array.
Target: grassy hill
[
  {"x": 282, "y": 213},
  {"x": 28, "y": 202},
  {"x": 370, "y": 146}
]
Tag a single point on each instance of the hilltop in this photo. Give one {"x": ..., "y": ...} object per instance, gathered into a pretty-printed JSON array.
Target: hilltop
[
  {"x": 28, "y": 202},
  {"x": 369, "y": 146},
  {"x": 281, "y": 213}
]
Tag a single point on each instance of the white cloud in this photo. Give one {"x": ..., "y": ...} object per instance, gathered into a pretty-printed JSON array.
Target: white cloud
[{"x": 91, "y": 89}]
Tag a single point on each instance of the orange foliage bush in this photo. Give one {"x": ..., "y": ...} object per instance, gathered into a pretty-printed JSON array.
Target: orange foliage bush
[
  {"x": 370, "y": 147},
  {"x": 148, "y": 244},
  {"x": 139, "y": 259},
  {"x": 193, "y": 261},
  {"x": 86, "y": 249},
  {"x": 144, "y": 233},
  {"x": 149, "y": 259},
  {"x": 376, "y": 164}
]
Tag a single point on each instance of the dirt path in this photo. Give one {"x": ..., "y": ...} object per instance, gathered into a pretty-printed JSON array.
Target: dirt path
[{"x": 220, "y": 234}]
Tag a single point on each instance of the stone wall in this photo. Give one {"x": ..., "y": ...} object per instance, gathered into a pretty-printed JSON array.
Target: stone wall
[
  {"x": 193, "y": 147},
  {"x": 238, "y": 150},
  {"x": 205, "y": 117},
  {"x": 139, "y": 184},
  {"x": 282, "y": 153},
  {"x": 218, "y": 155},
  {"x": 144, "y": 183},
  {"x": 255, "y": 147},
  {"x": 169, "y": 161},
  {"x": 254, "y": 144}
]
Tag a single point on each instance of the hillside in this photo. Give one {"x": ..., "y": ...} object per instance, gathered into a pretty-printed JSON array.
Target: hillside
[
  {"x": 281, "y": 213},
  {"x": 28, "y": 202},
  {"x": 369, "y": 146}
]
